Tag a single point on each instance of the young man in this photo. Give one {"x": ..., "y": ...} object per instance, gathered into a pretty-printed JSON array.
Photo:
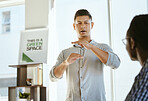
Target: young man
[
  {"x": 137, "y": 48},
  {"x": 84, "y": 62}
]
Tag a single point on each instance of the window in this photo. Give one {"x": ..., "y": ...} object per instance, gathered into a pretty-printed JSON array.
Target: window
[{"x": 6, "y": 21}]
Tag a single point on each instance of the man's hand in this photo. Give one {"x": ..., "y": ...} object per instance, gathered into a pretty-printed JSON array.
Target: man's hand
[
  {"x": 83, "y": 43},
  {"x": 59, "y": 70},
  {"x": 72, "y": 58}
]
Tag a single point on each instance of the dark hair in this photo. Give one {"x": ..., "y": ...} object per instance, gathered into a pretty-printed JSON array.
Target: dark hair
[
  {"x": 82, "y": 12},
  {"x": 138, "y": 30}
]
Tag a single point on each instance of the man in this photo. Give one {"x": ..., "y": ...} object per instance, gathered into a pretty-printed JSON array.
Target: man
[
  {"x": 137, "y": 47},
  {"x": 83, "y": 63}
]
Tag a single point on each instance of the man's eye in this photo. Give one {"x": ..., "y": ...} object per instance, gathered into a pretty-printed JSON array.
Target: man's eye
[{"x": 86, "y": 22}]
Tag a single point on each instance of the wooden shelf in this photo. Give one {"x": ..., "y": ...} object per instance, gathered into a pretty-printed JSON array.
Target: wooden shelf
[
  {"x": 37, "y": 93},
  {"x": 39, "y": 85}
]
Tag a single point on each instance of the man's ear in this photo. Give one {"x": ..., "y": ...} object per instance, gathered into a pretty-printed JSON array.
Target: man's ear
[
  {"x": 74, "y": 26},
  {"x": 92, "y": 24},
  {"x": 133, "y": 43}
]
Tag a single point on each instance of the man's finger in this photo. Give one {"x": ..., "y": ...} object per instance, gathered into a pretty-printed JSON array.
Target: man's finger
[
  {"x": 76, "y": 42},
  {"x": 80, "y": 57}
]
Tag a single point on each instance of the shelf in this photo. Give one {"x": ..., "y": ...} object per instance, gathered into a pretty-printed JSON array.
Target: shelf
[
  {"x": 35, "y": 75},
  {"x": 24, "y": 65},
  {"x": 37, "y": 93},
  {"x": 26, "y": 86}
]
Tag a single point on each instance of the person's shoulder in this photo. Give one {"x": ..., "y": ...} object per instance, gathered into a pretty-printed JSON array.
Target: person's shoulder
[
  {"x": 146, "y": 64},
  {"x": 103, "y": 44}
]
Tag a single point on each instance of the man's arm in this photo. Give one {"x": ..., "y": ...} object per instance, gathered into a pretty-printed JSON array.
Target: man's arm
[
  {"x": 102, "y": 55},
  {"x": 105, "y": 54},
  {"x": 59, "y": 70}
]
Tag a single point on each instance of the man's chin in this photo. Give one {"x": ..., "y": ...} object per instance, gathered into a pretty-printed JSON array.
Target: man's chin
[
  {"x": 83, "y": 33},
  {"x": 83, "y": 36}
]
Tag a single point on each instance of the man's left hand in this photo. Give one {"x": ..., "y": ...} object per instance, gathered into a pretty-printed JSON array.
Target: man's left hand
[{"x": 83, "y": 43}]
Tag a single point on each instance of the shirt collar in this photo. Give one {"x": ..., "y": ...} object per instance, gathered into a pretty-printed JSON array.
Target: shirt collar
[{"x": 145, "y": 62}]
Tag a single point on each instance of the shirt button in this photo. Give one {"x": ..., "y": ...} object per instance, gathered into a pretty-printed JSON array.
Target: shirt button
[{"x": 81, "y": 77}]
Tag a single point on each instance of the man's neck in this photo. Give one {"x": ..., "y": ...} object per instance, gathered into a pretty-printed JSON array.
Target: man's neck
[
  {"x": 142, "y": 56},
  {"x": 85, "y": 38}
]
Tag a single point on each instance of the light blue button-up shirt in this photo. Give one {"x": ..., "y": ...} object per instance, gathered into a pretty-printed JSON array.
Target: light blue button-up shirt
[{"x": 85, "y": 76}]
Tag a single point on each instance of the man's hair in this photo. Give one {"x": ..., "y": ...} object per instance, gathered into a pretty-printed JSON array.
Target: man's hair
[
  {"x": 82, "y": 12},
  {"x": 138, "y": 30}
]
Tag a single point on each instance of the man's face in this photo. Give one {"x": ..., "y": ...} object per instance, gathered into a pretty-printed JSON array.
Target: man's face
[
  {"x": 130, "y": 47},
  {"x": 83, "y": 26}
]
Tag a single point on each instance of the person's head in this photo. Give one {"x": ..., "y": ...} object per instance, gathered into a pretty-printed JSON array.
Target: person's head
[
  {"x": 137, "y": 36},
  {"x": 83, "y": 23}
]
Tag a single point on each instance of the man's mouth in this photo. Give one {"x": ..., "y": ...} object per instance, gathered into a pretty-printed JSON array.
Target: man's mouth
[{"x": 83, "y": 31}]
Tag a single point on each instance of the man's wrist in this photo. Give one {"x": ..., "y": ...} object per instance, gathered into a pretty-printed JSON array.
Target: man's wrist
[
  {"x": 90, "y": 46},
  {"x": 66, "y": 62}
]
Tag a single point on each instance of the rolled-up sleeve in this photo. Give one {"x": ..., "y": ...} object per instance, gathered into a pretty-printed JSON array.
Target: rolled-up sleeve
[
  {"x": 60, "y": 59},
  {"x": 113, "y": 60}
]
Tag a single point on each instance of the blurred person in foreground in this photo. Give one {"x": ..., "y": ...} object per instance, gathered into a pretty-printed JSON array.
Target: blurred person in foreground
[{"x": 136, "y": 42}]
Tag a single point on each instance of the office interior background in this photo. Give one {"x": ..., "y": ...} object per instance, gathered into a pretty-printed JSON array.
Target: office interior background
[{"x": 61, "y": 34}]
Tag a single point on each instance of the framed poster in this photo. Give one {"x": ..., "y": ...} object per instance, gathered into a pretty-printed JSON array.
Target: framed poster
[{"x": 33, "y": 46}]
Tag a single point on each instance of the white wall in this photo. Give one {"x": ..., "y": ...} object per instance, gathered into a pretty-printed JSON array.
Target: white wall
[
  {"x": 9, "y": 47},
  {"x": 36, "y": 14}
]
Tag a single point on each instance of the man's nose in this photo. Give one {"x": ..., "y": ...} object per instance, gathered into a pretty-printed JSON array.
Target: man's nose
[{"x": 83, "y": 25}]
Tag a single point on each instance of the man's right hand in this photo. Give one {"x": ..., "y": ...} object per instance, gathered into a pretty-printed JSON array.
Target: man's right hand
[
  {"x": 59, "y": 70},
  {"x": 72, "y": 58}
]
